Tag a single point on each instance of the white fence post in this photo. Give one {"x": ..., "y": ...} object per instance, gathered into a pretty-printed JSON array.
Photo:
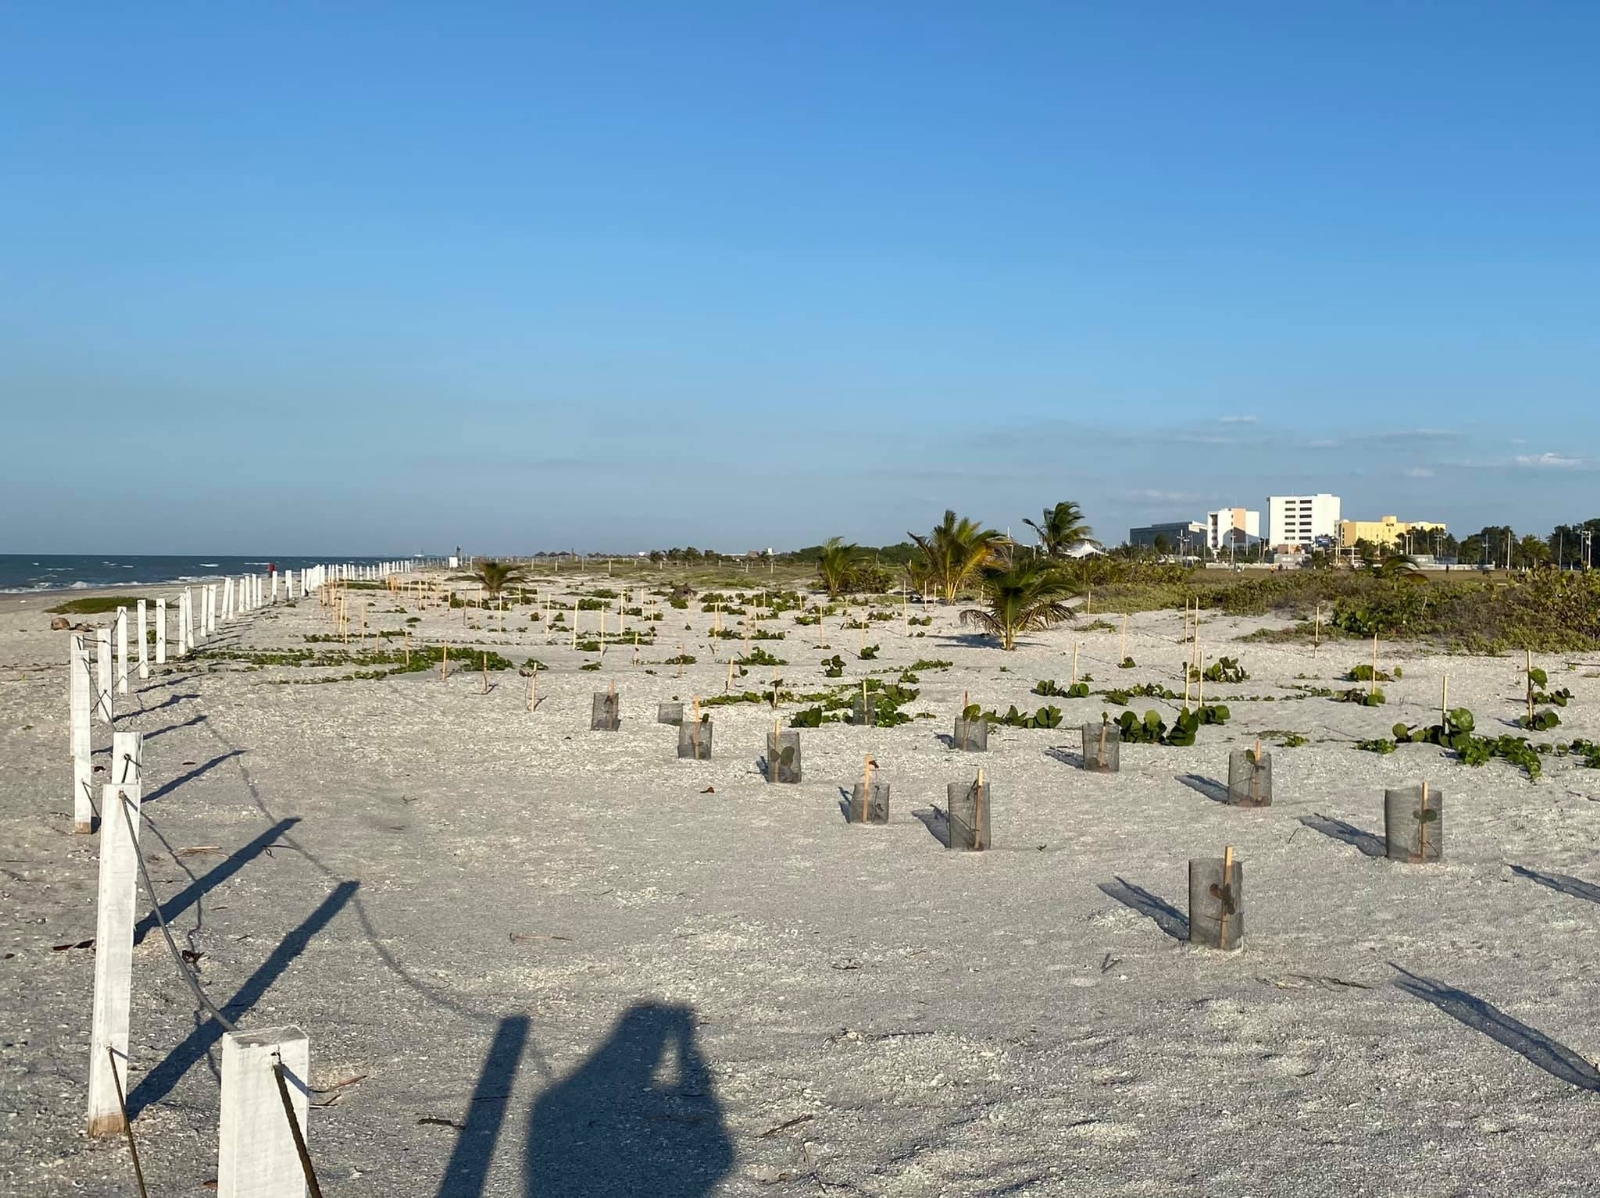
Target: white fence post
[
  {"x": 102, "y": 674},
  {"x": 122, "y": 650},
  {"x": 161, "y": 632},
  {"x": 256, "y": 1156},
  {"x": 79, "y": 688},
  {"x": 139, "y": 625},
  {"x": 113, "y": 952}
]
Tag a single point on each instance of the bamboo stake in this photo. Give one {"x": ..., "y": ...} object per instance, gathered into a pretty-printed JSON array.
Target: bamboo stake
[
  {"x": 1200, "y": 685},
  {"x": 1444, "y": 701},
  {"x": 1122, "y": 654},
  {"x": 772, "y": 757},
  {"x": 533, "y": 690},
  {"x": 680, "y": 661},
  {"x": 1227, "y": 881},
  {"x": 444, "y": 662},
  {"x": 694, "y": 730},
  {"x": 1255, "y": 775},
  {"x": 1316, "y": 631},
  {"x": 866, "y": 789},
  {"x": 977, "y": 810},
  {"x": 1105, "y": 728},
  {"x": 1528, "y": 674},
  {"x": 486, "y": 673},
  {"x": 405, "y": 642},
  {"x": 1372, "y": 685},
  {"x": 1076, "y": 645},
  {"x": 1422, "y": 825}
]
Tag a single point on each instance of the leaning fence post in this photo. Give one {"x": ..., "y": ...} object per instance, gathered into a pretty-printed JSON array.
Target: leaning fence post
[
  {"x": 256, "y": 1152},
  {"x": 79, "y": 685},
  {"x": 113, "y": 955}
]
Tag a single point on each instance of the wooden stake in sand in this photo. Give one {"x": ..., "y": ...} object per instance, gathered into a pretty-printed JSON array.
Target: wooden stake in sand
[
  {"x": 1255, "y": 775},
  {"x": 444, "y": 661},
  {"x": 1527, "y": 672},
  {"x": 1226, "y": 897},
  {"x": 680, "y": 660},
  {"x": 1444, "y": 701},
  {"x": 80, "y": 687},
  {"x": 113, "y": 957},
  {"x": 1372, "y": 683},
  {"x": 1422, "y": 824},
  {"x": 1316, "y": 631},
  {"x": 533, "y": 689},
  {"x": 143, "y": 657},
  {"x": 486, "y": 673},
  {"x": 1076, "y": 645},
  {"x": 694, "y": 729},
  {"x": 977, "y": 813},
  {"x": 1122, "y": 651}
]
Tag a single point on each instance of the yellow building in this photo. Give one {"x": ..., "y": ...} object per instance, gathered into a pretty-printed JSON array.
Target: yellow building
[{"x": 1386, "y": 532}]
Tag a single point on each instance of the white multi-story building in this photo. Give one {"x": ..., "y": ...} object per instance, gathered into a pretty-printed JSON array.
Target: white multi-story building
[
  {"x": 1298, "y": 521},
  {"x": 1235, "y": 526}
]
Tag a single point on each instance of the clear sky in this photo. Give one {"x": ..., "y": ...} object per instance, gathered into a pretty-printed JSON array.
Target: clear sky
[{"x": 318, "y": 278}]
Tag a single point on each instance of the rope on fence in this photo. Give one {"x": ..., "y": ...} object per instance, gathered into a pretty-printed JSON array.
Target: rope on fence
[
  {"x": 294, "y": 1128},
  {"x": 127, "y": 1124},
  {"x": 177, "y": 957}
]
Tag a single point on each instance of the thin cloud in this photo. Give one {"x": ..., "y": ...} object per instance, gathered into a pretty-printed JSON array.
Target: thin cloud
[
  {"x": 1238, "y": 419},
  {"x": 1148, "y": 496},
  {"x": 1419, "y": 472},
  {"x": 1550, "y": 461}
]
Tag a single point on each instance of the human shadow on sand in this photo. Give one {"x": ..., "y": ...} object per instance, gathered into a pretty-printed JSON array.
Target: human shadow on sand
[
  {"x": 1561, "y": 883},
  {"x": 1369, "y": 843},
  {"x": 1153, "y": 907},
  {"x": 638, "y": 1117},
  {"x": 1538, "y": 1049}
]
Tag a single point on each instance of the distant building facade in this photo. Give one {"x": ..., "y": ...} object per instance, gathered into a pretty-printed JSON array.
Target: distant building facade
[
  {"x": 1387, "y": 532},
  {"x": 1180, "y": 536},
  {"x": 1297, "y": 522},
  {"x": 1232, "y": 527}
]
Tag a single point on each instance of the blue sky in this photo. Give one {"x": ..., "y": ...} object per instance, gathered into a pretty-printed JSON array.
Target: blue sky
[{"x": 374, "y": 278}]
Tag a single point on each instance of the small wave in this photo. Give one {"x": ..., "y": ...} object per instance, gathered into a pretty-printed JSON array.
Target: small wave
[
  {"x": 80, "y": 585},
  {"x": 209, "y": 565}
]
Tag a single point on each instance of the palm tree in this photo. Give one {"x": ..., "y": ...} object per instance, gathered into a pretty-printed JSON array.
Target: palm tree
[
  {"x": 954, "y": 551},
  {"x": 1062, "y": 529},
  {"x": 494, "y": 576},
  {"x": 835, "y": 564},
  {"x": 1024, "y": 595}
]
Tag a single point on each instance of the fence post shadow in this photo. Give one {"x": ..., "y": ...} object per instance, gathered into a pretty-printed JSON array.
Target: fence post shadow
[
  {"x": 468, "y": 1170},
  {"x": 1153, "y": 907},
  {"x": 1530, "y": 1043},
  {"x": 637, "y": 1117},
  {"x": 212, "y": 878},
  {"x": 158, "y": 1083}
]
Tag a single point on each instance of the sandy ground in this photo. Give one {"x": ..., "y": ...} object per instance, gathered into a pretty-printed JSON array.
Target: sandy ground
[{"x": 563, "y": 962}]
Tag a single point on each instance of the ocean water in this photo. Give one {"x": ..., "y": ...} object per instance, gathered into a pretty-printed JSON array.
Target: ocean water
[{"x": 25, "y": 572}]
